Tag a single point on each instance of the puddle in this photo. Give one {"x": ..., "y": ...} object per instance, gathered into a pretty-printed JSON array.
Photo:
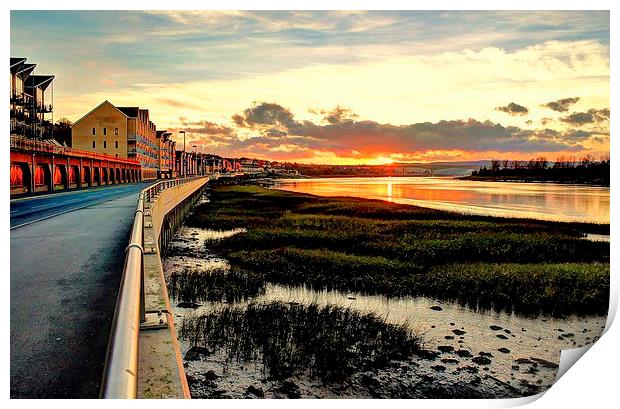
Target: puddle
[
  {"x": 480, "y": 353},
  {"x": 598, "y": 237}
]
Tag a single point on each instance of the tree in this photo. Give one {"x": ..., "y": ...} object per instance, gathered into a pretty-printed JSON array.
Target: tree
[
  {"x": 62, "y": 131},
  {"x": 587, "y": 159},
  {"x": 541, "y": 162}
]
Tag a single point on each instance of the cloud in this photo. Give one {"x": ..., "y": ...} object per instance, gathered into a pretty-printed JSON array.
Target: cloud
[
  {"x": 589, "y": 117},
  {"x": 347, "y": 137},
  {"x": 513, "y": 109},
  {"x": 265, "y": 116},
  {"x": 206, "y": 128},
  {"x": 336, "y": 115},
  {"x": 561, "y": 105},
  {"x": 545, "y": 121}
]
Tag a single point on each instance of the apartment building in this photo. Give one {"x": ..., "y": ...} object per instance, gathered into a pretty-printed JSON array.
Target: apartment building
[
  {"x": 31, "y": 101},
  {"x": 125, "y": 132},
  {"x": 166, "y": 155}
]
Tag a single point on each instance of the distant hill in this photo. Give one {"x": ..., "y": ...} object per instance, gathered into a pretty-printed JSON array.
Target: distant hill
[{"x": 459, "y": 168}]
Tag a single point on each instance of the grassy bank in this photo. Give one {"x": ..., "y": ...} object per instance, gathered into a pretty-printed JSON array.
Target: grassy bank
[
  {"x": 218, "y": 285},
  {"x": 381, "y": 247},
  {"x": 330, "y": 342}
]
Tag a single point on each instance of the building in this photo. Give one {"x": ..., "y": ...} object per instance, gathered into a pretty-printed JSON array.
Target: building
[
  {"x": 249, "y": 166},
  {"x": 166, "y": 155},
  {"x": 31, "y": 101},
  {"x": 125, "y": 132}
]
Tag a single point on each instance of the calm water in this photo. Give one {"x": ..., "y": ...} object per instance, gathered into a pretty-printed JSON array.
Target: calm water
[{"x": 545, "y": 201}]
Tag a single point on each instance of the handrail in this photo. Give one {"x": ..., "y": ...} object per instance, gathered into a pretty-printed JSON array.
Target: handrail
[
  {"x": 121, "y": 372},
  {"x": 39, "y": 146},
  {"x": 120, "y": 380}
]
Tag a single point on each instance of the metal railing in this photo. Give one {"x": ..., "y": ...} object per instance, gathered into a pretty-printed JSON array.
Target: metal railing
[
  {"x": 33, "y": 145},
  {"x": 120, "y": 379}
]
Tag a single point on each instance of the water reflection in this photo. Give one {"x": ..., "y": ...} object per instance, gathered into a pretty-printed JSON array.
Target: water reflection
[{"x": 545, "y": 201}]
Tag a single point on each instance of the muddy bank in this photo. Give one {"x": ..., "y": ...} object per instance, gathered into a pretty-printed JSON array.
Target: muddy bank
[{"x": 471, "y": 353}]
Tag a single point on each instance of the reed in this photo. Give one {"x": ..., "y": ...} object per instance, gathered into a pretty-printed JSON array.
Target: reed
[
  {"x": 195, "y": 285},
  {"x": 328, "y": 343}
]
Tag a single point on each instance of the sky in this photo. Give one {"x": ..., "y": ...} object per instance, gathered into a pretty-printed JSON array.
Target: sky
[{"x": 346, "y": 87}]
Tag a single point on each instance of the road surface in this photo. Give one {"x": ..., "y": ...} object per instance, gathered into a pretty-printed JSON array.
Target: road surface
[{"x": 67, "y": 256}]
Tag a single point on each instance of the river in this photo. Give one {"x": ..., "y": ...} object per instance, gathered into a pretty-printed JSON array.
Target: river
[{"x": 543, "y": 201}]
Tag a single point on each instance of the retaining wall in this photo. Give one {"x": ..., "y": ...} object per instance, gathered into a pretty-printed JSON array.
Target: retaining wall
[{"x": 160, "y": 368}]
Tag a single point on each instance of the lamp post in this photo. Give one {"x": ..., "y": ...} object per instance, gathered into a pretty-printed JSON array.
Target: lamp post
[
  {"x": 195, "y": 162},
  {"x": 183, "y": 158}
]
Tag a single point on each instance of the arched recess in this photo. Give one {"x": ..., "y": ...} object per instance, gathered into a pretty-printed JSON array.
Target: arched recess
[
  {"x": 60, "y": 177},
  {"x": 74, "y": 176},
  {"x": 42, "y": 177},
  {"x": 97, "y": 176},
  {"x": 86, "y": 177},
  {"x": 20, "y": 178}
]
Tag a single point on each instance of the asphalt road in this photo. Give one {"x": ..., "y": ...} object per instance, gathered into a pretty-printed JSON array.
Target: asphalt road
[
  {"x": 65, "y": 275},
  {"x": 27, "y": 210}
]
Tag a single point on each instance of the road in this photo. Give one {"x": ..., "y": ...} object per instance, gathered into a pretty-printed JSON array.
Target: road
[
  {"x": 67, "y": 256},
  {"x": 24, "y": 211}
]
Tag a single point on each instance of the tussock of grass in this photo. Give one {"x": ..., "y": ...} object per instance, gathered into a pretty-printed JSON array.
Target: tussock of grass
[
  {"x": 195, "y": 285},
  {"x": 330, "y": 342},
  {"x": 555, "y": 288},
  {"x": 328, "y": 269}
]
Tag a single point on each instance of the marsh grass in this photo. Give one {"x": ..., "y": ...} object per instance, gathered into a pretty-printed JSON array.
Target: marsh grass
[
  {"x": 330, "y": 342},
  {"x": 558, "y": 289},
  {"x": 380, "y": 247},
  {"x": 195, "y": 285}
]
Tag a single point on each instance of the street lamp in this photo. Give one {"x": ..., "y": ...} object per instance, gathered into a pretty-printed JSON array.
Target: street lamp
[{"x": 183, "y": 132}]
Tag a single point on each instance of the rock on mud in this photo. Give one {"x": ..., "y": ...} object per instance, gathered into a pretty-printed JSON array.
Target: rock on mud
[
  {"x": 196, "y": 353},
  {"x": 188, "y": 305},
  {"x": 481, "y": 360},
  {"x": 289, "y": 389},
  {"x": 254, "y": 391}
]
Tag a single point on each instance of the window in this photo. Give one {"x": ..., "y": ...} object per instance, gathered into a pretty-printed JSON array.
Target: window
[
  {"x": 116, "y": 144},
  {"x": 93, "y": 143},
  {"x": 93, "y": 133},
  {"x": 105, "y": 145},
  {"x": 104, "y": 131},
  {"x": 115, "y": 131}
]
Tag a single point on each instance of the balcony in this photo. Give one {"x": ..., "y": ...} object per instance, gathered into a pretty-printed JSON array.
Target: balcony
[
  {"x": 18, "y": 114},
  {"x": 44, "y": 108},
  {"x": 21, "y": 99}
]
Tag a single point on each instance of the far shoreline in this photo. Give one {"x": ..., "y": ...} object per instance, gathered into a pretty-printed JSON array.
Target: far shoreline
[
  {"x": 455, "y": 177},
  {"x": 532, "y": 180}
]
